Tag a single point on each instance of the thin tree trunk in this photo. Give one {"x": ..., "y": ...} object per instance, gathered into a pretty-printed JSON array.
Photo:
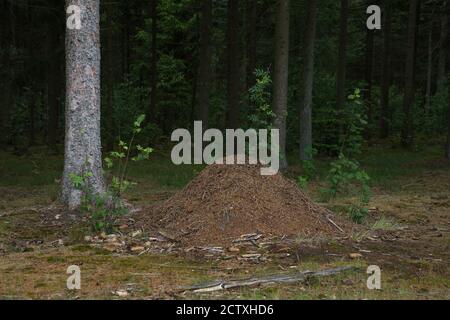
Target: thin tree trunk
[
  {"x": 52, "y": 78},
  {"x": 251, "y": 42},
  {"x": 386, "y": 73},
  {"x": 408, "y": 101},
  {"x": 307, "y": 83},
  {"x": 281, "y": 72},
  {"x": 368, "y": 75},
  {"x": 233, "y": 66},
  {"x": 204, "y": 71},
  {"x": 6, "y": 38},
  {"x": 154, "y": 62},
  {"x": 442, "y": 75},
  {"x": 83, "y": 144},
  {"x": 342, "y": 58},
  {"x": 429, "y": 67}
]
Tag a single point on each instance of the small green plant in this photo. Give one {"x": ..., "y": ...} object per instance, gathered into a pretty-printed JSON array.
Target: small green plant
[
  {"x": 302, "y": 182},
  {"x": 119, "y": 183},
  {"x": 103, "y": 209},
  {"x": 345, "y": 175},
  {"x": 357, "y": 213},
  {"x": 309, "y": 170},
  {"x": 261, "y": 116},
  {"x": 354, "y": 123}
]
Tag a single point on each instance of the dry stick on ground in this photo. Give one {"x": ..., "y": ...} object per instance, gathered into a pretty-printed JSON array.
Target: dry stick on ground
[{"x": 272, "y": 279}]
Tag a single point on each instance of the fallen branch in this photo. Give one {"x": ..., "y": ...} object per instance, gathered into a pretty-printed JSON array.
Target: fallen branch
[
  {"x": 272, "y": 279},
  {"x": 334, "y": 224}
]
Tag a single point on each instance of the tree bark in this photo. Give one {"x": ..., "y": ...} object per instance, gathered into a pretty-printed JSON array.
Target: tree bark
[
  {"x": 429, "y": 67},
  {"x": 204, "y": 71},
  {"x": 386, "y": 73},
  {"x": 233, "y": 66},
  {"x": 442, "y": 75},
  {"x": 368, "y": 75},
  {"x": 281, "y": 72},
  {"x": 109, "y": 75},
  {"x": 154, "y": 62},
  {"x": 409, "y": 95},
  {"x": 82, "y": 143},
  {"x": 53, "y": 72},
  {"x": 251, "y": 42},
  {"x": 342, "y": 58},
  {"x": 6, "y": 39},
  {"x": 307, "y": 83}
]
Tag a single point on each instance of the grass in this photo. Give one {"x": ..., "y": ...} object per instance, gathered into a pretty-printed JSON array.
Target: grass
[{"x": 386, "y": 224}]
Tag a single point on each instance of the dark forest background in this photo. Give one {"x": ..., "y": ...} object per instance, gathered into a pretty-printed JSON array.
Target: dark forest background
[{"x": 180, "y": 61}]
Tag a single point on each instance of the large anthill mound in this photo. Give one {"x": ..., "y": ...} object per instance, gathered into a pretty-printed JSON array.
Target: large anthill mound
[{"x": 226, "y": 201}]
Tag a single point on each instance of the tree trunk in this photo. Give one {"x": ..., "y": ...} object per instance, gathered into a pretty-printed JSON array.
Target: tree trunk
[
  {"x": 408, "y": 101},
  {"x": 251, "y": 42},
  {"x": 429, "y": 67},
  {"x": 53, "y": 73},
  {"x": 386, "y": 73},
  {"x": 204, "y": 71},
  {"x": 82, "y": 143},
  {"x": 154, "y": 62},
  {"x": 368, "y": 80},
  {"x": 342, "y": 58},
  {"x": 307, "y": 83},
  {"x": 6, "y": 37},
  {"x": 233, "y": 66},
  {"x": 442, "y": 75},
  {"x": 281, "y": 72},
  {"x": 109, "y": 75}
]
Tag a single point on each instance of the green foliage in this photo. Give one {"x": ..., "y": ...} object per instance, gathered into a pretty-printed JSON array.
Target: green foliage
[
  {"x": 357, "y": 213},
  {"x": 119, "y": 183},
  {"x": 346, "y": 177},
  {"x": 309, "y": 170},
  {"x": 261, "y": 115},
  {"x": 103, "y": 209},
  {"x": 353, "y": 123}
]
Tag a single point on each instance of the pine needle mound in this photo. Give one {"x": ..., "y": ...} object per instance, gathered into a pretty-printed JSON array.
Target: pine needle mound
[{"x": 226, "y": 201}]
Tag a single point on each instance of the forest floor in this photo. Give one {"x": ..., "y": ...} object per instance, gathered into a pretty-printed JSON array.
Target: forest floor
[{"x": 407, "y": 234}]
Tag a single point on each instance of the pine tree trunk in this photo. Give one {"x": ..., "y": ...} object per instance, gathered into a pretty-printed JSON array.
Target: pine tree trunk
[
  {"x": 233, "y": 66},
  {"x": 202, "y": 89},
  {"x": 307, "y": 83},
  {"x": 82, "y": 142},
  {"x": 429, "y": 68},
  {"x": 442, "y": 75},
  {"x": 281, "y": 72},
  {"x": 53, "y": 74},
  {"x": 408, "y": 101},
  {"x": 251, "y": 42},
  {"x": 386, "y": 73},
  {"x": 368, "y": 76},
  {"x": 109, "y": 77},
  {"x": 342, "y": 58},
  {"x": 151, "y": 116},
  {"x": 5, "y": 73}
]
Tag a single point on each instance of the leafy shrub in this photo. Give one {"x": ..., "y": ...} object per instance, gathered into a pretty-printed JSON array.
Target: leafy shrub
[
  {"x": 103, "y": 209},
  {"x": 261, "y": 115}
]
